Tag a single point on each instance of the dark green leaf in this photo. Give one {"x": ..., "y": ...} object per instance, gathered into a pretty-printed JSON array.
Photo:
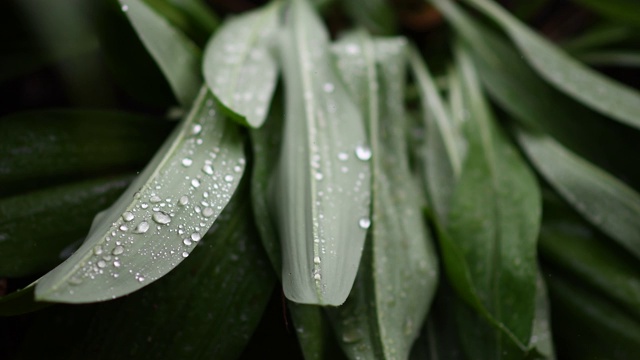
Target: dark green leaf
[
  {"x": 156, "y": 223},
  {"x": 377, "y": 16},
  {"x": 39, "y": 229},
  {"x": 38, "y": 148},
  {"x": 622, "y": 11}
]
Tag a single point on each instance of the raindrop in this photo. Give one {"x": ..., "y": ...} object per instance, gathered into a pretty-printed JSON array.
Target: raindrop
[
  {"x": 317, "y": 276},
  {"x": 316, "y": 260},
  {"x": 161, "y": 217},
  {"x": 196, "y": 129},
  {"x": 124, "y": 227},
  {"x": 318, "y": 176},
  {"x": 364, "y": 223},
  {"x": 186, "y": 162},
  {"x": 116, "y": 263},
  {"x": 141, "y": 278},
  {"x": 118, "y": 250},
  {"x": 142, "y": 228},
  {"x": 352, "y": 49},
  {"x": 125, "y": 8},
  {"x": 237, "y": 168},
  {"x": 207, "y": 212},
  {"x": 196, "y": 237},
  {"x": 144, "y": 205},
  {"x": 97, "y": 250},
  {"x": 185, "y": 254},
  {"x": 228, "y": 178},
  {"x": 343, "y": 156},
  {"x": 127, "y": 216},
  {"x": 184, "y": 200},
  {"x": 155, "y": 199},
  {"x": 363, "y": 153},
  {"x": 328, "y": 87},
  {"x": 207, "y": 169},
  {"x": 102, "y": 264},
  {"x": 187, "y": 242},
  {"x": 195, "y": 183}
]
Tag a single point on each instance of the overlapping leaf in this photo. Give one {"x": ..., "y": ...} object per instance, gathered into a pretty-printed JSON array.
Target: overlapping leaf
[
  {"x": 239, "y": 67},
  {"x": 178, "y": 57},
  {"x": 323, "y": 179},
  {"x": 156, "y": 223}
]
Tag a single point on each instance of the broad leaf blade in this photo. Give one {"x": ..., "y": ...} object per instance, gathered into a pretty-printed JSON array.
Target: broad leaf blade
[
  {"x": 37, "y": 228},
  {"x": 239, "y": 68},
  {"x": 570, "y": 76},
  {"x": 205, "y": 309},
  {"x": 604, "y": 200},
  {"x": 320, "y": 205},
  {"x": 41, "y": 148},
  {"x": 156, "y": 223},
  {"x": 494, "y": 219},
  {"x": 398, "y": 274},
  {"x": 178, "y": 57}
]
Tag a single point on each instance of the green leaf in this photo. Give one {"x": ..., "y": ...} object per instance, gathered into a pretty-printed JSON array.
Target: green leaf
[
  {"x": 178, "y": 57},
  {"x": 207, "y": 308},
  {"x": 377, "y": 16},
  {"x": 604, "y": 200},
  {"x": 494, "y": 221},
  {"x": 589, "y": 326},
  {"x": 622, "y": 11},
  {"x": 319, "y": 206},
  {"x": 20, "y": 302},
  {"x": 43, "y": 147},
  {"x": 443, "y": 154},
  {"x": 193, "y": 18},
  {"x": 614, "y": 58},
  {"x": 597, "y": 91},
  {"x": 397, "y": 277},
  {"x": 156, "y": 223},
  {"x": 40, "y": 228},
  {"x": 239, "y": 68}
]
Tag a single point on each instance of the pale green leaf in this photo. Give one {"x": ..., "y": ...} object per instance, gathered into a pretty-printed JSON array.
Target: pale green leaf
[
  {"x": 601, "y": 198},
  {"x": 398, "y": 274},
  {"x": 323, "y": 180},
  {"x": 493, "y": 222},
  {"x": 603, "y": 94},
  {"x": 159, "y": 219},
  {"x": 238, "y": 65},
  {"x": 178, "y": 57}
]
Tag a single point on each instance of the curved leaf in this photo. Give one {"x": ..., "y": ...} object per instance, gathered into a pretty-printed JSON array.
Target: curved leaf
[
  {"x": 604, "y": 200},
  {"x": 156, "y": 223},
  {"x": 20, "y": 302},
  {"x": 178, "y": 57},
  {"x": 319, "y": 204},
  {"x": 43, "y": 147},
  {"x": 591, "y": 88},
  {"x": 397, "y": 277},
  {"x": 239, "y": 68},
  {"x": 493, "y": 222},
  {"x": 38, "y": 228}
]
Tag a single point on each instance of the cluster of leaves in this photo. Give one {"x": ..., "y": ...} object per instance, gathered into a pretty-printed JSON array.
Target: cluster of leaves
[{"x": 485, "y": 210}]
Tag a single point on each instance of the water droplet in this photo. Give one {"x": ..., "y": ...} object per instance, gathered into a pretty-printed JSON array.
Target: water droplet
[
  {"x": 97, "y": 250},
  {"x": 195, "y": 183},
  {"x": 318, "y": 176},
  {"x": 125, "y": 8},
  {"x": 343, "y": 156},
  {"x": 140, "y": 278},
  {"x": 124, "y": 227},
  {"x": 102, "y": 264},
  {"x": 118, "y": 250},
  {"x": 317, "y": 276},
  {"x": 144, "y": 205},
  {"x": 228, "y": 178},
  {"x": 75, "y": 281},
  {"x": 328, "y": 87},
  {"x": 155, "y": 199},
  {"x": 316, "y": 260},
  {"x": 237, "y": 168},
  {"x": 196, "y": 237},
  {"x": 185, "y": 254},
  {"x": 184, "y": 200},
  {"x": 187, "y": 242},
  {"x": 364, "y": 223},
  {"x": 352, "y": 49},
  {"x": 116, "y": 263},
  {"x": 186, "y": 162},
  {"x": 196, "y": 129},
  {"x": 161, "y": 217},
  {"x": 363, "y": 153},
  {"x": 127, "y": 216},
  {"x": 142, "y": 228},
  {"x": 207, "y": 169},
  {"x": 207, "y": 212}
]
